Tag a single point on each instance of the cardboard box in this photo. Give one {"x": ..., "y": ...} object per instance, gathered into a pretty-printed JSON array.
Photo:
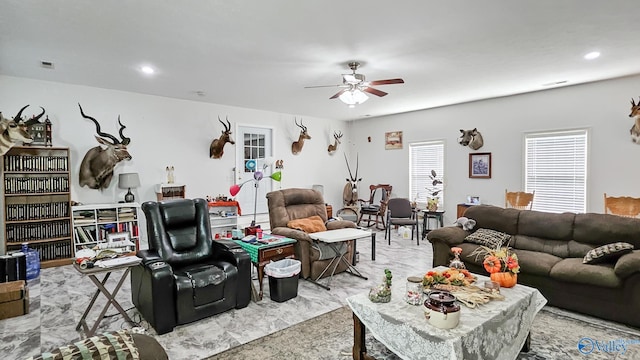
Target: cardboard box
[{"x": 14, "y": 299}]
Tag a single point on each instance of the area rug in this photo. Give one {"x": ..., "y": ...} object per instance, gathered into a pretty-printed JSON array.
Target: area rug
[{"x": 556, "y": 334}]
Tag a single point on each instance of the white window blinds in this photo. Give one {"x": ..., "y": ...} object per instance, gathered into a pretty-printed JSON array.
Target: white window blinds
[
  {"x": 424, "y": 157},
  {"x": 556, "y": 168}
]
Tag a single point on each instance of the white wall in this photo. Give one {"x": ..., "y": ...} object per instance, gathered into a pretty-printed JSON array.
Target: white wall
[
  {"x": 603, "y": 107},
  {"x": 166, "y": 131}
]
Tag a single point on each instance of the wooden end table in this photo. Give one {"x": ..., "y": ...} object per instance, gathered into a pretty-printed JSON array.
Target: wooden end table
[{"x": 261, "y": 254}]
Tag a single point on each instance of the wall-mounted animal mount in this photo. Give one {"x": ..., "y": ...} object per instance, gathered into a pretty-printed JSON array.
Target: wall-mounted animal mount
[
  {"x": 337, "y": 135},
  {"x": 216, "y": 150},
  {"x": 471, "y": 138},
  {"x": 296, "y": 147},
  {"x": 280, "y": 164},
  {"x": 96, "y": 169},
  {"x": 635, "y": 113},
  {"x": 15, "y": 130},
  {"x": 350, "y": 191}
]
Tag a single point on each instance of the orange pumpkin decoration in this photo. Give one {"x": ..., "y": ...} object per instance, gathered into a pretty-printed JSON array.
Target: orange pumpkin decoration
[
  {"x": 505, "y": 279},
  {"x": 492, "y": 264}
]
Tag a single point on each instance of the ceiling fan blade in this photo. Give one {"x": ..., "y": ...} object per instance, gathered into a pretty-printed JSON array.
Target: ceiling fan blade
[
  {"x": 373, "y": 91},
  {"x": 386, "y": 82},
  {"x": 337, "y": 94},
  {"x": 323, "y": 86}
]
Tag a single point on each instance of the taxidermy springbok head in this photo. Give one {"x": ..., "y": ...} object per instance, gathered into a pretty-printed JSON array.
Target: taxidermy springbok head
[
  {"x": 96, "y": 169},
  {"x": 635, "y": 113},
  {"x": 15, "y": 130},
  {"x": 350, "y": 192},
  {"x": 296, "y": 147},
  {"x": 216, "y": 150},
  {"x": 471, "y": 138},
  {"x": 337, "y": 135}
]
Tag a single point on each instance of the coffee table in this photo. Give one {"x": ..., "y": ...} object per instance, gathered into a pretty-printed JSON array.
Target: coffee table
[
  {"x": 497, "y": 330},
  {"x": 334, "y": 237}
]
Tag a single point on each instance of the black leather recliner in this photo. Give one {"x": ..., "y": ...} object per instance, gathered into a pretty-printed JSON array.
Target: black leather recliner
[{"x": 185, "y": 276}]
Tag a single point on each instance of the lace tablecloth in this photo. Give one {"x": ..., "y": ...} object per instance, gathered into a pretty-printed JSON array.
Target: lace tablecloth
[{"x": 496, "y": 330}]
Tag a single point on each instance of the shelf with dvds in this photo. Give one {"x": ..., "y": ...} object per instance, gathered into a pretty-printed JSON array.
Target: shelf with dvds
[
  {"x": 37, "y": 201},
  {"x": 103, "y": 225}
]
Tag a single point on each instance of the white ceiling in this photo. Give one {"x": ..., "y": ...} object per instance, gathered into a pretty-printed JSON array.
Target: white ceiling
[{"x": 261, "y": 54}]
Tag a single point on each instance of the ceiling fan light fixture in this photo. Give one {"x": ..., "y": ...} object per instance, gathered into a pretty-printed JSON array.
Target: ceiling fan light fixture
[{"x": 353, "y": 97}]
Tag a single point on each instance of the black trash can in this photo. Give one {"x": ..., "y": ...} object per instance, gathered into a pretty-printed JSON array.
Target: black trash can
[{"x": 283, "y": 279}]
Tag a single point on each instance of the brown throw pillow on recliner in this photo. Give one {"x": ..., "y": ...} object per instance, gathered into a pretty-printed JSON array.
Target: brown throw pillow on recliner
[
  {"x": 309, "y": 225},
  {"x": 607, "y": 252}
]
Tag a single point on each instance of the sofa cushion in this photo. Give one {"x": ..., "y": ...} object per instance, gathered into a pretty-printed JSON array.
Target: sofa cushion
[
  {"x": 536, "y": 263},
  {"x": 572, "y": 270},
  {"x": 493, "y": 217},
  {"x": 602, "y": 229},
  {"x": 607, "y": 253},
  {"x": 487, "y": 237},
  {"x": 113, "y": 345},
  {"x": 546, "y": 225},
  {"x": 309, "y": 225}
]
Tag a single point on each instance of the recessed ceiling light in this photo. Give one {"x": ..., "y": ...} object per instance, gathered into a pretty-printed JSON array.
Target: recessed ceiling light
[
  {"x": 147, "y": 70},
  {"x": 592, "y": 55}
]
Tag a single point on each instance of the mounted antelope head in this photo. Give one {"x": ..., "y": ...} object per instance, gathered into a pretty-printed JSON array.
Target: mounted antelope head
[
  {"x": 471, "y": 138},
  {"x": 635, "y": 113},
  {"x": 296, "y": 147},
  {"x": 96, "y": 169},
  {"x": 350, "y": 192},
  {"x": 216, "y": 150},
  {"x": 337, "y": 135},
  {"x": 15, "y": 130}
]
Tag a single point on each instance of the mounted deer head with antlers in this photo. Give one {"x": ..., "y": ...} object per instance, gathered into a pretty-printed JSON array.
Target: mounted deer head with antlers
[
  {"x": 96, "y": 169},
  {"x": 350, "y": 192},
  {"x": 296, "y": 147},
  {"x": 216, "y": 150},
  {"x": 15, "y": 130},
  {"x": 337, "y": 135}
]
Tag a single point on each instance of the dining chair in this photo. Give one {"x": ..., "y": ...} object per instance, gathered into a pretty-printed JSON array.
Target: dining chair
[
  {"x": 401, "y": 213},
  {"x": 376, "y": 206},
  {"x": 518, "y": 199},
  {"x": 623, "y": 206}
]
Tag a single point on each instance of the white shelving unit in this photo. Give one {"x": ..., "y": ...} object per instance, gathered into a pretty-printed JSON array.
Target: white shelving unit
[
  {"x": 223, "y": 219},
  {"x": 93, "y": 222}
]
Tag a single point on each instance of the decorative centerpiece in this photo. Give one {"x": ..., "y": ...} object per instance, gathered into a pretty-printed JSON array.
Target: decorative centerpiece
[
  {"x": 382, "y": 292},
  {"x": 434, "y": 190},
  {"x": 456, "y": 263},
  {"x": 501, "y": 263},
  {"x": 455, "y": 277}
]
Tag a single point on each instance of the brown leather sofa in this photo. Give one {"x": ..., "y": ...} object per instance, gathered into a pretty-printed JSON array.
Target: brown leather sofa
[
  {"x": 291, "y": 204},
  {"x": 551, "y": 248}
]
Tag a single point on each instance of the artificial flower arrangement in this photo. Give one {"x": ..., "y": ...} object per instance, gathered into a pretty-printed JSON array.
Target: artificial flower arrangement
[
  {"x": 455, "y": 277},
  {"x": 500, "y": 262}
]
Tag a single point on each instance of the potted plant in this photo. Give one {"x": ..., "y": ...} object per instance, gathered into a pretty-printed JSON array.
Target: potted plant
[{"x": 434, "y": 190}]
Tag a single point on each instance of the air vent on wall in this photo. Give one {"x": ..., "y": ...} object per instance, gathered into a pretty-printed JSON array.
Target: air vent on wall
[{"x": 46, "y": 64}]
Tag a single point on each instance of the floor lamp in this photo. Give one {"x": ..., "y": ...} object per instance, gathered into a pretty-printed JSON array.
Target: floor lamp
[{"x": 257, "y": 177}]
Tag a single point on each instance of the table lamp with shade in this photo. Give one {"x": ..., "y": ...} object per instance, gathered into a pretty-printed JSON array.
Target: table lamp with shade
[{"x": 128, "y": 181}]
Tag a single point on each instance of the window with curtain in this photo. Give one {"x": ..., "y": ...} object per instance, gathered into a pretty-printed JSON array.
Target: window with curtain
[
  {"x": 556, "y": 168},
  {"x": 424, "y": 157}
]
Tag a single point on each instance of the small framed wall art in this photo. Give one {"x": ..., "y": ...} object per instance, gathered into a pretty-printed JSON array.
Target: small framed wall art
[
  {"x": 393, "y": 140},
  {"x": 480, "y": 165}
]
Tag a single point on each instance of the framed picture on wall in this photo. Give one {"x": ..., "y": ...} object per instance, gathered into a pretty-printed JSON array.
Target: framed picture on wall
[
  {"x": 393, "y": 140},
  {"x": 480, "y": 165}
]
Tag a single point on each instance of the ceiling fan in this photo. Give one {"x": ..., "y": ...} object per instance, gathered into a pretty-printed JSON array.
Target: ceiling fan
[{"x": 355, "y": 85}]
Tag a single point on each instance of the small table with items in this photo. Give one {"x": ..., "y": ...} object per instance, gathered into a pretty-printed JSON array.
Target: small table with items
[
  {"x": 428, "y": 214},
  {"x": 271, "y": 249},
  {"x": 122, "y": 263},
  {"x": 496, "y": 330},
  {"x": 334, "y": 237}
]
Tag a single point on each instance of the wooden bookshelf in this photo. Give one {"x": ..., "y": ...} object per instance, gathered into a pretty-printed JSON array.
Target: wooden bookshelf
[{"x": 92, "y": 223}]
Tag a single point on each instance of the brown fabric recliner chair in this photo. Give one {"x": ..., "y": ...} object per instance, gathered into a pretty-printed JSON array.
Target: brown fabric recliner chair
[{"x": 291, "y": 204}]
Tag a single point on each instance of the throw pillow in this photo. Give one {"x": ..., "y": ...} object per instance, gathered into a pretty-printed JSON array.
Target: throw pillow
[
  {"x": 309, "y": 225},
  {"x": 489, "y": 238},
  {"x": 607, "y": 252},
  {"x": 114, "y": 345}
]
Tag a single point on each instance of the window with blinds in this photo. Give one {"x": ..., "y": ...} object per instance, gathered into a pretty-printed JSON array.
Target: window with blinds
[
  {"x": 556, "y": 168},
  {"x": 424, "y": 157}
]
